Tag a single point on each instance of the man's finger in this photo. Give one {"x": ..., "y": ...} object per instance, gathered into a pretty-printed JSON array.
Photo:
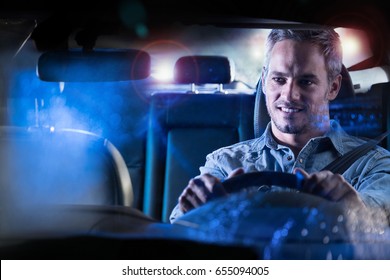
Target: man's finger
[
  {"x": 300, "y": 171},
  {"x": 200, "y": 189},
  {"x": 235, "y": 172}
]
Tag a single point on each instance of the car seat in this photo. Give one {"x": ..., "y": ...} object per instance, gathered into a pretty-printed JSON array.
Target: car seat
[
  {"x": 103, "y": 92},
  {"x": 45, "y": 168},
  {"x": 185, "y": 127},
  {"x": 46, "y": 165}
]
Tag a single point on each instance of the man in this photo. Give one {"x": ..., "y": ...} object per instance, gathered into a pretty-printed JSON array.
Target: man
[{"x": 300, "y": 77}]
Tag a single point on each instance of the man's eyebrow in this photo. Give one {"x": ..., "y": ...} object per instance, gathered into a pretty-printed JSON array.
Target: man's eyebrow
[
  {"x": 277, "y": 73},
  {"x": 303, "y": 76},
  {"x": 309, "y": 77}
]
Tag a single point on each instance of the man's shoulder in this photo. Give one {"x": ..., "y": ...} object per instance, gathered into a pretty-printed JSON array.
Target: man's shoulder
[
  {"x": 351, "y": 142},
  {"x": 342, "y": 140}
]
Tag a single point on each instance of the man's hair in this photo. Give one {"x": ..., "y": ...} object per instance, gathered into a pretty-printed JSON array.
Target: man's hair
[{"x": 327, "y": 40}]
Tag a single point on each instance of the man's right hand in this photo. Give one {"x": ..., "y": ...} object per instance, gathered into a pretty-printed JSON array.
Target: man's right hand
[{"x": 203, "y": 188}]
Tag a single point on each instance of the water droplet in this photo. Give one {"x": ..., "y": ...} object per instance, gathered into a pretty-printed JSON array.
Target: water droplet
[
  {"x": 325, "y": 240},
  {"x": 304, "y": 232},
  {"x": 322, "y": 225},
  {"x": 335, "y": 229},
  {"x": 329, "y": 255},
  {"x": 340, "y": 218}
]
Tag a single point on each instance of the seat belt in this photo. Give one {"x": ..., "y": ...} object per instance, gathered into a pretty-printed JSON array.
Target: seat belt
[{"x": 342, "y": 163}]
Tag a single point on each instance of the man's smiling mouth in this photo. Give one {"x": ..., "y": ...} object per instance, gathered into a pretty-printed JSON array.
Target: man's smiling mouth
[{"x": 289, "y": 109}]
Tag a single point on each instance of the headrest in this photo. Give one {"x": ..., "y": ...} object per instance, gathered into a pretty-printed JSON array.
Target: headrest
[
  {"x": 203, "y": 69},
  {"x": 93, "y": 66},
  {"x": 346, "y": 89}
]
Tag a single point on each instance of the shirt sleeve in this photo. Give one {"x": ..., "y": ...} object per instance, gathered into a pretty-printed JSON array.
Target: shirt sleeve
[
  {"x": 176, "y": 213},
  {"x": 213, "y": 167},
  {"x": 373, "y": 183}
]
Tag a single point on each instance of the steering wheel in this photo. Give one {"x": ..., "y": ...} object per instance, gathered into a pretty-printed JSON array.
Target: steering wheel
[
  {"x": 284, "y": 224},
  {"x": 289, "y": 198},
  {"x": 259, "y": 217},
  {"x": 246, "y": 180}
]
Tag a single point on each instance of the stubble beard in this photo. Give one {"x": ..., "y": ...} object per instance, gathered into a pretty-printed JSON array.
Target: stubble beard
[{"x": 289, "y": 128}]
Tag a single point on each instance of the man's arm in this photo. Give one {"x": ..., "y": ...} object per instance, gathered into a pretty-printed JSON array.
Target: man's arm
[
  {"x": 366, "y": 185},
  {"x": 332, "y": 187}
]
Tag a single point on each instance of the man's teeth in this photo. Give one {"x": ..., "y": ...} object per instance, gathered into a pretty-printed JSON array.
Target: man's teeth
[{"x": 289, "y": 110}]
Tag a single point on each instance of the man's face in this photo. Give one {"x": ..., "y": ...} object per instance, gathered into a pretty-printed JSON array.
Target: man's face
[{"x": 297, "y": 88}]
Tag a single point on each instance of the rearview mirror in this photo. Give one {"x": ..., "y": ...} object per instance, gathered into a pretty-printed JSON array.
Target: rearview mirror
[{"x": 94, "y": 66}]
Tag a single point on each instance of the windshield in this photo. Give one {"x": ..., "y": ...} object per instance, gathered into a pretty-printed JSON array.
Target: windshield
[{"x": 113, "y": 116}]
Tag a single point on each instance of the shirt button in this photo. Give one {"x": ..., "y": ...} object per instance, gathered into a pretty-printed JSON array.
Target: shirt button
[
  {"x": 300, "y": 160},
  {"x": 289, "y": 157}
]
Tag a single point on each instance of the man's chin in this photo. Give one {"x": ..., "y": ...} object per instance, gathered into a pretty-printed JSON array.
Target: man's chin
[{"x": 289, "y": 128}]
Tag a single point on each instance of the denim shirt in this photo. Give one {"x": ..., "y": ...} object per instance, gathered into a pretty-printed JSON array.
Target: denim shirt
[{"x": 369, "y": 175}]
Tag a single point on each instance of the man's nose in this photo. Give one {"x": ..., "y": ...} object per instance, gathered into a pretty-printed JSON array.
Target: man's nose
[{"x": 290, "y": 91}]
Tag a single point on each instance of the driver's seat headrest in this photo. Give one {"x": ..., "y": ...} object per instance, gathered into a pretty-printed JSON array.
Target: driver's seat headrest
[{"x": 261, "y": 117}]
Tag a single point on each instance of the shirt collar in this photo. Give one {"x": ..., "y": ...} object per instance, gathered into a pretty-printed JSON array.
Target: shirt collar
[
  {"x": 336, "y": 134},
  {"x": 267, "y": 139}
]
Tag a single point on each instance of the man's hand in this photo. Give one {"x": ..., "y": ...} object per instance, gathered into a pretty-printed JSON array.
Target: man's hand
[
  {"x": 202, "y": 189},
  {"x": 330, "y": 186}
]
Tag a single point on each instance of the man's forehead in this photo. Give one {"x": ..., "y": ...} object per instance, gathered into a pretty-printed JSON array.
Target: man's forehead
[{"x": 289, "y": 55}]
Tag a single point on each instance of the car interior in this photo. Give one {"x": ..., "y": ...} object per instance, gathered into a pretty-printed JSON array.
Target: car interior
[{"x": 98, "y": 139}]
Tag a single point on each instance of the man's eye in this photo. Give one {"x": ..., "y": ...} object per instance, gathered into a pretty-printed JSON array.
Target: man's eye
[
  {"x": 279, "y": 80},
  {"x": 306, "y": 82}
]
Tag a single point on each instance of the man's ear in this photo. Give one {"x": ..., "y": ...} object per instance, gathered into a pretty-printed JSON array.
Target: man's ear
[{"x": 335, "y": 87}]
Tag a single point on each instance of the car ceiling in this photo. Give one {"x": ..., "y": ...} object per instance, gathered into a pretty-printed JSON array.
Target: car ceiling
[
  {"x": 310, "y": 11},
  {"x": 57, "y": 19}
]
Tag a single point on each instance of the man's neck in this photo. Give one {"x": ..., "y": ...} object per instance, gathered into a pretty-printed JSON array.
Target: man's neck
[{"x": 297, "y": 141}]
